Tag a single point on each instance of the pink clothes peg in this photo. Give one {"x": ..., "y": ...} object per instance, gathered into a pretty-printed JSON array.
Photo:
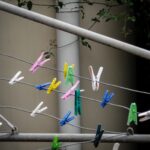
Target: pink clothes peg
[
  {"x": 39, "y": 62},
  {"x": 70, "y": 91}
]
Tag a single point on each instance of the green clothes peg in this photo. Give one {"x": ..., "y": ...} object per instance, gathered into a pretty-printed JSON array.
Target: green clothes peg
[
  {"x": 132, "y": 116},
  {"x": 70, "y": 75},
  {"x": 55, "y": 144},
  {"x": 77, "y": 102}
]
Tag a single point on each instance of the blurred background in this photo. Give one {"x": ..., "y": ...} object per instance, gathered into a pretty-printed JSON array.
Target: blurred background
[{"x": 24, "y": 39}]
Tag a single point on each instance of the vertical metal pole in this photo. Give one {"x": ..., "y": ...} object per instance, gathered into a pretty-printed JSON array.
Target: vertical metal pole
[{"x": 69, "y": 53}]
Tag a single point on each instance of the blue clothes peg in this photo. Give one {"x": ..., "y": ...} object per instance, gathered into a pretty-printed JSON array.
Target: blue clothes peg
[
  {"x": 106, "y": 98},
  {"x": 42, "y": 86},
  {"x": 66, "y": 119},
  {"x": 98, "y": 136}
]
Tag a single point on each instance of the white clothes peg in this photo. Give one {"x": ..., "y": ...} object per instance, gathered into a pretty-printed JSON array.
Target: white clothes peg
[
  {"x": 1, "y": 123},
  {"x": 16, "y": 78},
  {"x": 82, "y": 90},
  {"x": 95, "y": 79},
  {"x": 144, "y": 116},
  {"x": 116, "y": 146},
  {"x": 38, "y": 109}
]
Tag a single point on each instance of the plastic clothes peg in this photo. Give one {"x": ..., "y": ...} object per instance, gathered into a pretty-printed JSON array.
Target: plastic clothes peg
[
  {"x": 65, "y": 70},
  {"x": 70, "y": 75},
  {"x": 42, "y": 86},
  {"x": 106, "y": 98},
  {"x": 98, "y": 136},
  {"x": 116, "y": 146},
  {"x": 95, "y": 79},
  {"x": 144, "y": 116},
  {"x": 77, "y": 105},
  {"x": 66, "y": 119},
  {"x": 38, "y": 109},
  {"x": 55, "y": 144},
  {"x": 70, "y": 91},
  {"x": 47, "y": 54},
  {"x": 16, "y": 78},
  {"x": 39, "y": 62},
  {"x": 132, "y": 116},
  {"x": 53, "y": 86}
]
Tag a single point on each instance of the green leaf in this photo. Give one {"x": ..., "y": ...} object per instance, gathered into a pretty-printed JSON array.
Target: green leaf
[
  {"x": 20, "y": 4},
  {"x": 29, "y": 5},
  {"x": 95, "y": 19},
  {"x": 85, "y": 43},
  {"x": 108, "y": 19},
  {"x": 119, "y": 2},
  {"x": 82, "y": 14},
  {"x": 90, "y": 3},
  {"x": 131, "y": 18},
  {"x": 60, "y": 4}
]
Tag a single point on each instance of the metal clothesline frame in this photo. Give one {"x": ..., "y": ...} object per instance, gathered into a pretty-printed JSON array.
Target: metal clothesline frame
[
  {"x": 51, "y": 22},
  {"x": 73, "y": 137}
]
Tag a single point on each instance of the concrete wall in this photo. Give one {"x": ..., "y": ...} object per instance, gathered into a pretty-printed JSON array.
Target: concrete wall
[
  {"x": 119, "y": 68},
  {"x": 25, "y": 39}
]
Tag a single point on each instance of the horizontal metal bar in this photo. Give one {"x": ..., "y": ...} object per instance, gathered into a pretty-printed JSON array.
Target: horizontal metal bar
[
  {"x": 71, "y": 137},
  {"x": 74, "y": 30}
]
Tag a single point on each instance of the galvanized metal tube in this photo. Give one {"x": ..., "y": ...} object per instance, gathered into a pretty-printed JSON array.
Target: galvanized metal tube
[
  {"x": 46, "y": 137},
  {"x": 74, "y": 30}
]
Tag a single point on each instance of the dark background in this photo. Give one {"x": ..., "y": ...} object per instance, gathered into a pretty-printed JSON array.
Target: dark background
[{"x": 142, "y": 34}]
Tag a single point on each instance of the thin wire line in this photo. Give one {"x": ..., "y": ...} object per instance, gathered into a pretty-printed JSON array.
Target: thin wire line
[
  {"x": 84, "y": 97},
  {"x": 82, "y": 77},
  {"x": 81, "y": 127},
  {"x": 96, "y": 3},
  {"x": 50, "y": 116},
  {"x": 95, "y": 100},
  {"x": 68, "y": 43}
]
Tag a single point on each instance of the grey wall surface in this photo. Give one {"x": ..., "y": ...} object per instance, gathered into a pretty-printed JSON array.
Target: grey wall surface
[
  {"x": 25, "y": 39},
  {"x": 119, "y": 68}
]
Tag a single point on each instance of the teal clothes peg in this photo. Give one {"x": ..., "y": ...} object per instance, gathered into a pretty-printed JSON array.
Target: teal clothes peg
[
  {"x": 132, "y": 116},
  {"x": 78, "y": 105},
  {"x": 70, "y": 75},
  {"x": 55, "y": 144}
]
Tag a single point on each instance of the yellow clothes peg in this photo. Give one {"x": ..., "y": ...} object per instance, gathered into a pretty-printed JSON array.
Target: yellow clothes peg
[
  {"x": 66, "y": 69},
  {"x": 53, "y": 86}
]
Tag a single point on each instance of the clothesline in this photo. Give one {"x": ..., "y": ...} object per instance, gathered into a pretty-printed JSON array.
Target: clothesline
[
  {"x": 81, "y": 77},
  {"x": 53, "y": 117},
  {"x": 57, "y": 24},
  {"x": 84, "y": 97}
]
